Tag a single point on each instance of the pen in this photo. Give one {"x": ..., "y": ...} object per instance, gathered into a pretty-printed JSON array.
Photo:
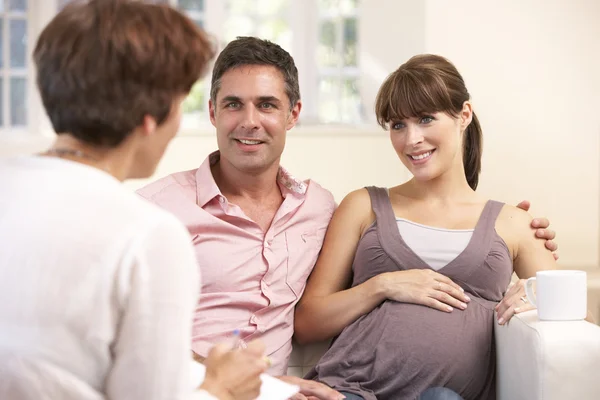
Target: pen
[{"x": 238, "y": 342}]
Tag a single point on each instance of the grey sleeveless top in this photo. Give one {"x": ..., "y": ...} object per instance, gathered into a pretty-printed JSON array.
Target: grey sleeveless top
[{"x": 398, "y": 350}]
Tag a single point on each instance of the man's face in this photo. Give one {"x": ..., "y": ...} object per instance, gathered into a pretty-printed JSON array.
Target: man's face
[{"x": 252, "y": 114}]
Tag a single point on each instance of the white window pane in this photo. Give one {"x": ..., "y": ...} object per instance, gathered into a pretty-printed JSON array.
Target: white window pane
[
  {"x": 277, "y": 31},
  {"x": 1, "y": 42},
  {"x": 347, "y": 6},
  {"x": 191, "y": 5},
  {"x": 327, "y": 5},
  {"x": 350, "y": 104},
  {"x": 18, "y": 101},
  {"x": 339, "y": 100},
  {"x": 17, "y": 5},
  {"x": 329, "y": 89},
  {"x": 18, "y": 43},
  {"x": 337, "y": 7},
  {"x": 350, "y": 39},
  {"x": 240, "y": 7},
  {"x": 327, "y": 55},
  {"x": 238, "y": 25},
  {"x": 196, "y": 100},
  {"x": 1, "y": 102},
  {"x": 271, "y": 8}
]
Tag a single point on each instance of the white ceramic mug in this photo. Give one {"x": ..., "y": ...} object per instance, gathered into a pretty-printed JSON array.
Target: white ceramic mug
[{"x": 560, "y": 295}]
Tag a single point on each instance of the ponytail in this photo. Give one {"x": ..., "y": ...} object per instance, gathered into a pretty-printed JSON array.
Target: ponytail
[{"x": 472, "y": 149}]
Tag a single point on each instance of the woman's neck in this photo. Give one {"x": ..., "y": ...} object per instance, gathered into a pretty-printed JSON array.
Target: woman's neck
[
  {"x": 117, "y": 162},
  {"x": 449, "y": 187}
]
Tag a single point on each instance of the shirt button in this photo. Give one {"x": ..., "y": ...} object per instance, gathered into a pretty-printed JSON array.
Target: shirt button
[
  {"x": 267, "y": 244},
  {"x": 222, "y": 199},
  {"x": 253, "y": 319}
]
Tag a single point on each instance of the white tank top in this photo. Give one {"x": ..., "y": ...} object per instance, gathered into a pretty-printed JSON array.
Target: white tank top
[{"x": 436, "y": 246}]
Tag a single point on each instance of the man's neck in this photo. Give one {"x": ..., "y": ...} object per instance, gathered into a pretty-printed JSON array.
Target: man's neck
[
  {"x": 255, "y": 187},
  {"x": 256, "y": 193}
]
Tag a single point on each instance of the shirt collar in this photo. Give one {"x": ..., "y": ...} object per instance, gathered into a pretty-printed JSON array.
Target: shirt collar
[{"x": 207, "y": 189}]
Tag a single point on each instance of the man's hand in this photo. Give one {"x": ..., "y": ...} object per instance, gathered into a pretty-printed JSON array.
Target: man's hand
[
  {"x": 514, "y": 302},
  {"x": 541, "y": 229},
  {"x": 311, "y": 390}
]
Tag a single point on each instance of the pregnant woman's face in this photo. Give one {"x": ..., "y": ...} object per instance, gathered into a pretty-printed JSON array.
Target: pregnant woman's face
[{"x": 429, "y": 145}]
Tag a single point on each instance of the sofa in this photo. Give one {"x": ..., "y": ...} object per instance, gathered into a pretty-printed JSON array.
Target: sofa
[{"x": 536, "y": 360}]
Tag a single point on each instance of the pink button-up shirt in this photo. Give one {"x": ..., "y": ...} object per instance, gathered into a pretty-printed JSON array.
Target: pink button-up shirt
[{"x": 251, "y": 280}]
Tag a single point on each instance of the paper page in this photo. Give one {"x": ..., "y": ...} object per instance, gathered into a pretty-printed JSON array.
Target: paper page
[{"x": 271, "y": 388}]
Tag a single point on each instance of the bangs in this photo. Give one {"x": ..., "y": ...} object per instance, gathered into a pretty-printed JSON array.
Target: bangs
[{"x": 408, "y": 93}]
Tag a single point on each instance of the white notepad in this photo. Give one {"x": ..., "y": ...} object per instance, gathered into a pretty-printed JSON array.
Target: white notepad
[{"x": 271, "y": 388}]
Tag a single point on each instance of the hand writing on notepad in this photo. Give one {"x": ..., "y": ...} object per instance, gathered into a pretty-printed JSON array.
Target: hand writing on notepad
[
  {"x": 307, "y": 389},
  {"x": 235, "y": 374}
]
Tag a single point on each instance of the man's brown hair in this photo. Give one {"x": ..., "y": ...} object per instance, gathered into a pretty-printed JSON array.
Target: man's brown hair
[
  {"x": 102, "y": 65},
  {"x": 248, "y": 50}
]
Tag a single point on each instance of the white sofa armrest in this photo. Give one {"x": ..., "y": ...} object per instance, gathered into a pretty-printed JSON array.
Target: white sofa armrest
[{"x": 547, "y": 360}]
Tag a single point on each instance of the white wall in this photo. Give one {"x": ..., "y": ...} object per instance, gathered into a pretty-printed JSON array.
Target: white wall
[{"x": 533, "y": 70}]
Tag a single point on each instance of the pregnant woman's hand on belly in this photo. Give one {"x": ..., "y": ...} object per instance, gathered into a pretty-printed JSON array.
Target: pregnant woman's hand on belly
[{"x": 425, "y": 287}]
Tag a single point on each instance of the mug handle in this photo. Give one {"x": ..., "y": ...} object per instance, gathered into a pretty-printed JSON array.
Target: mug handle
[{"x": 529, "y": 291}]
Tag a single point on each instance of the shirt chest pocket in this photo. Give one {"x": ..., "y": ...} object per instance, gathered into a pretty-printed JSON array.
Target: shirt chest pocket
[{"x": 303, "y": 249}]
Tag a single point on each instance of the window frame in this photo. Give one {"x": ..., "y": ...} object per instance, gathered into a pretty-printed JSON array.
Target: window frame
[
  {"x": 303, "y": 23},
  {"x": 7, "y": 72},
  {"x": 304, "y": 19}
]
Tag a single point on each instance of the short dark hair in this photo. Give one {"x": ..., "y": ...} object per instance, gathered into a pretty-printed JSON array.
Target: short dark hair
[
  {"x": 102, "y": 65},
  {"x": 247, "y": 50}
]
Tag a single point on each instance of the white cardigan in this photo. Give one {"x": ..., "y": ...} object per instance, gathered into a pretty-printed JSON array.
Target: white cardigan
[{"x": 97, "y": 288}]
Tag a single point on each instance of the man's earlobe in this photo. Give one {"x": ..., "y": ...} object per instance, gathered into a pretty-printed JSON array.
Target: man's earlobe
[{"x": 212, "y": 111}]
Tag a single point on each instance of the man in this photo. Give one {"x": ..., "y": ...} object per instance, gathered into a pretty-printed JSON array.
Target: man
[{"x": 257, "y": 230}]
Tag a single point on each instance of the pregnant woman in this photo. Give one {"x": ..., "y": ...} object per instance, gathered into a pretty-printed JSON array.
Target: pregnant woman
[{"x": 409, "y": 277}]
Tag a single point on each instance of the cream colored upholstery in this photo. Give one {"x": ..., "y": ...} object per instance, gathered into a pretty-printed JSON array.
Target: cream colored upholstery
[
  {"x": 547, "y": 360},
  {"x": 535, "y": 360}
]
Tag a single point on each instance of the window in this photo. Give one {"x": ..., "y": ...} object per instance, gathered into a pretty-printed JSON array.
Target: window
[
  {"x": 14, "y": 62},
  {"x": 321, "y": 35},
  {"x": 195, "y": 106},
  {"x": 265, "y": 19},
  {"x": 337, "y": 58}
]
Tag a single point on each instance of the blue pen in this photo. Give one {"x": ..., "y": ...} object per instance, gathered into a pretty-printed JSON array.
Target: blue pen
[{"x": 238, "y": 342}]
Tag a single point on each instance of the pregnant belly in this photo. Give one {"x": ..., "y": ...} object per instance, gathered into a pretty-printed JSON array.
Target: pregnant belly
[
  {"x": 401, "y": 348},
  {"x": 423, "y": 335}
]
